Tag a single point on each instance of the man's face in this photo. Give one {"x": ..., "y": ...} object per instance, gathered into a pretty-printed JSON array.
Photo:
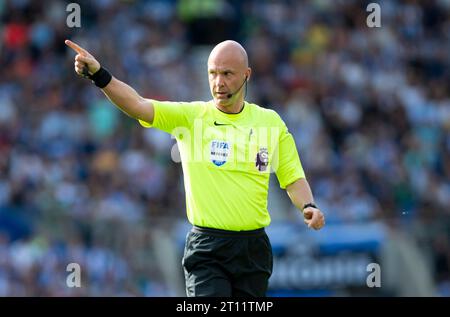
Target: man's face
[
  {"x": 222, "y": 82},
  {"x": 226, "y": 74}
]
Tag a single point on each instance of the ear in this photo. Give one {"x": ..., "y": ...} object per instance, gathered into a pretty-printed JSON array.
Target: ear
[{"x": 248, "y": 74}]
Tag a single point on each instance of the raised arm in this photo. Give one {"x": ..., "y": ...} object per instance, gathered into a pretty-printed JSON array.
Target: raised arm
[
  {"x": 120, "y": 94},
  {"x": 300, "y": 194}
]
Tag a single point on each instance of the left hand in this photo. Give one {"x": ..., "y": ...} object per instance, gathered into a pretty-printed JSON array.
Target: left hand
[{"x": 314, "y": 218}]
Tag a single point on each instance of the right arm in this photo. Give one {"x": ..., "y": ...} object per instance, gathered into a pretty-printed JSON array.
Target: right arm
[
  {"x": 129, "y": 101},
  {"x": 120, "y": 94}
]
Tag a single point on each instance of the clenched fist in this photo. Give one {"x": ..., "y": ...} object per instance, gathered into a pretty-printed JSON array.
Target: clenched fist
[{"x": 314, "y": 218}]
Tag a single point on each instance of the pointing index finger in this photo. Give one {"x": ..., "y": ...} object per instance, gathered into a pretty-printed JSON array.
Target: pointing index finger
[{"x": 76, "y": 47}]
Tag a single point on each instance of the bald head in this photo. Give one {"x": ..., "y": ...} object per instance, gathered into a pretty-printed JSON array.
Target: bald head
[
  {"x": 228, "y": 71},
  {"x": 229, "y": 51}
]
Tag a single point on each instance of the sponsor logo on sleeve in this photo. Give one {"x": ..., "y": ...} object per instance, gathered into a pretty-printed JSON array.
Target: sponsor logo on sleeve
[{"x": 262, "y": 159}]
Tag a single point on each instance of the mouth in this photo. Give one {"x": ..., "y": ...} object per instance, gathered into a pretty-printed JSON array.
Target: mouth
[{"x": 221, "y": 94}]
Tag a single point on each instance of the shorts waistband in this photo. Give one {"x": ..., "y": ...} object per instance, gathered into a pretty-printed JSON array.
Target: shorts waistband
[{"x": 228, "y": 233}]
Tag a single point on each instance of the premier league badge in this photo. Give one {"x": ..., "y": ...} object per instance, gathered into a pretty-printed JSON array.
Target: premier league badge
[
  {"x": 262, "y": 159},
  {"x": 220, "y": 150}
]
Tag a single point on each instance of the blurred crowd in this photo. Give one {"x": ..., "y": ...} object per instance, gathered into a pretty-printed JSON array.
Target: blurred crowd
[{"x": 81, "y": 182}]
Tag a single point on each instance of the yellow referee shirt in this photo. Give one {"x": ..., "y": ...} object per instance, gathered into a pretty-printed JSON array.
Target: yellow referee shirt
[{"x": 227, "y": 160}]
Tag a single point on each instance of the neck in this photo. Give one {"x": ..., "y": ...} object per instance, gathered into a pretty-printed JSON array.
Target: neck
[{"x": 236, "y": 108}]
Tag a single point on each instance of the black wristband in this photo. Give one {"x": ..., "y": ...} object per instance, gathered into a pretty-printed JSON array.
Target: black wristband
[
  {"x": 101, "y": 78},
  {"x": 309, "y": 205}
]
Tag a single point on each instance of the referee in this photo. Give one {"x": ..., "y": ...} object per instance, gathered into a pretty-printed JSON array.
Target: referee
[{"x": 228, "y": 147}]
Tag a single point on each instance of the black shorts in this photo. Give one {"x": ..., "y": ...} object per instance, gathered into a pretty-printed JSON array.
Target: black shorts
[{"x": 223, "y": 263}]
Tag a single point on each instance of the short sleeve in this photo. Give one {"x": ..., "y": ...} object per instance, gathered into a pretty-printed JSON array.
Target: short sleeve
[
  {"x": 168, "y": 115},
  {"x": 286, "y": 161}
]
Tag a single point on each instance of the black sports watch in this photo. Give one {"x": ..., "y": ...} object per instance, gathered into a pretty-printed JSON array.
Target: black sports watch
[{"x": 309, "y": 205}]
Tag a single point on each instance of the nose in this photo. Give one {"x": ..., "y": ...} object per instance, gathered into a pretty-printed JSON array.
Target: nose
[{"x": 218, "y": 81}]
